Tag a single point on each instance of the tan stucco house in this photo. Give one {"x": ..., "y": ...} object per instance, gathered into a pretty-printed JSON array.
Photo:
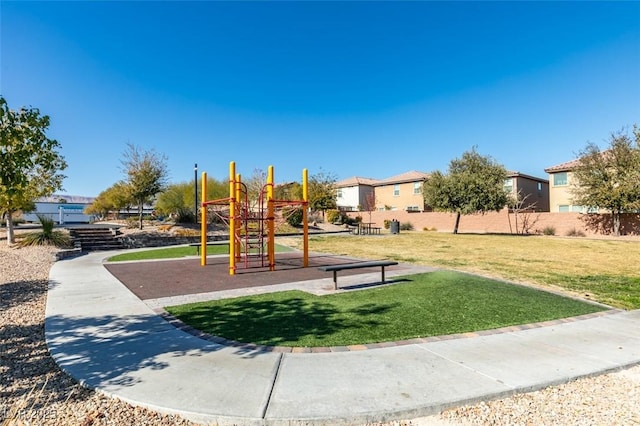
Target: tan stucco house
[
  {"x": 401, "y": 192},
  {"x": 560, "y": 181}
]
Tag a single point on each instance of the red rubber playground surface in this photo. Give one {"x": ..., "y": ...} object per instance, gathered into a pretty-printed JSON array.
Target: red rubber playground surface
[{"x": 156, "y": 279}]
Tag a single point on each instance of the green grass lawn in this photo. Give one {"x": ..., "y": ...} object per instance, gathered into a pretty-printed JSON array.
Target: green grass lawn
[
  {"x": 429, "y": 304},
  {"x": 176, "y": 252},
  {"x": 603, "y": 270}
]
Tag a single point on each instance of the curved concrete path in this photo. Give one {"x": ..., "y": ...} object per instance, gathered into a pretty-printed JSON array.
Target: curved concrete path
[{"x": 108, "y": 339}]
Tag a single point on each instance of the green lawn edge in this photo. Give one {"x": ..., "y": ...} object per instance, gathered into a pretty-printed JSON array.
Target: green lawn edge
[{"x": 422, "y": 305}]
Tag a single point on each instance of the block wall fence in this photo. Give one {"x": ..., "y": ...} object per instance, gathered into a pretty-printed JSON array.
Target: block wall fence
[{"x": 503, "y": 222}]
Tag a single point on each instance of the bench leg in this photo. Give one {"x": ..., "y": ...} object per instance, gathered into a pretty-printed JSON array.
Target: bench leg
[
  {"x": 335, "y": 280},
  {"x": 382, "y": 274}
]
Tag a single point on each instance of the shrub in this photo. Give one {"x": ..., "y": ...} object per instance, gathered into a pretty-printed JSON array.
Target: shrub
[
  {"x": 316, "y": 217},
  {"x": 187, "y": 233},
  {"x": 47, "y": 236},
  {"x": 293, "y": 215},
  {"x": 185, "y": 216},
  {"x": 358, "y": 219},
  {"x": 426, "y": 228},
  {"x": 575, "y": 233},
  {"x": 387, "y": 223},
  {"x": 549, "y": 230},
  {"x": 406, "y": 226},
  {"x": 334, "y": 216}
]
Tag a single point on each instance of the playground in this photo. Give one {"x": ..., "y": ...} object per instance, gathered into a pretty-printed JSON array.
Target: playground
[{"x": 152, "y": 280}]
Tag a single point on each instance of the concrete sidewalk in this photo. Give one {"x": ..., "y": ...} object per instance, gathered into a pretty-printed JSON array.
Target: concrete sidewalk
[{"x": 108, "y": 339}]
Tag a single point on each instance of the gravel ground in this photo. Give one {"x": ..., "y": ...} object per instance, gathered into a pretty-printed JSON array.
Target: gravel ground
[{"x": 34, "y": 391}]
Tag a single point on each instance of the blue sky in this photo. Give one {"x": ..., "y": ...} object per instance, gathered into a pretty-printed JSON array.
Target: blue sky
[{"x": 370, "y": 89}]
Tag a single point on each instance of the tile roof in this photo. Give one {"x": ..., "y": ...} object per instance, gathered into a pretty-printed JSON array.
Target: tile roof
[
  {"x": 512, "y": 174},
  {"x": 355, "y": 181},
  {"x": 411, "y": 176},
  {"x": 562, "y": 167}
]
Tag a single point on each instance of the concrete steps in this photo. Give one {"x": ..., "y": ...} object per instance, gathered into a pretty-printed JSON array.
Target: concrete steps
[{"x": 94, "y": 239}]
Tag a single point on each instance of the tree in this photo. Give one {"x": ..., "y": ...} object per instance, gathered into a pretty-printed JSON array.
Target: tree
[
  {"x": 609, "y": 179},
  {"x": 112, "y": 199},
  {"x": 473, "y": 184},
  {"x": 288, "y": 191},
  {"x": 31, "y": 163},
  {"x": 322, "y": 192},
  {"x": 178, "y": 198},
  {"x": 147, "y": 175},
  {"x": 255, "y": 185},
  {"x": 369, "y": 203},
  {"x": 522, "y": 210}
]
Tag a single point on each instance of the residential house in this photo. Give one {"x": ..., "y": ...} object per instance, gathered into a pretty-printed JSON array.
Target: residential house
[
  {"x": 355, "y": 193},
  {"x": 532, "y": 192},
  {"x": 560, "y": 181},
  {"x": 401, "y": 192}
]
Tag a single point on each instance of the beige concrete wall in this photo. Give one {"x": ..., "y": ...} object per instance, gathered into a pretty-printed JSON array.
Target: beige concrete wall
[{"x": 504, "y": 222}]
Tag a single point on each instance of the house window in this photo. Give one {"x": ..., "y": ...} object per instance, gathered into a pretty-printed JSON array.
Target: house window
[
  {"x": 560, "y": 179},
  {"x": 563, "y": 208},
  {"x": 417, "y": 188},
  {"x": 396, "y": 190},
  {"x": 508, "y": 185},
  {"x": 413, "y": 208},
  {"x": 339, "y": 193},
  {"x": 577, "y": 209}
]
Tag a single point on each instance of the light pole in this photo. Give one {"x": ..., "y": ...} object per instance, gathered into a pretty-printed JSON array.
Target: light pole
[{"x": 195, "y": 185}]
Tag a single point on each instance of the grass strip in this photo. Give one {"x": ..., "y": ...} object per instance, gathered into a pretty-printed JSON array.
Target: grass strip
[{"x": 429, "y": 304}]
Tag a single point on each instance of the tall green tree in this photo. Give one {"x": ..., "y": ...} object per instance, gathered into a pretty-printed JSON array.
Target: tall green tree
[
  {"x": 178, "y": 198},
  {"x": 288, "y": 191},
  {"x": 112, "y": 199},
  {"x": 147, "y": 175},
  {"x": 473, "y": 184},
  {"x": 30, "y": 164},
  {"x": 609, "y": 179},
  {"x": 322, "y": 192}
]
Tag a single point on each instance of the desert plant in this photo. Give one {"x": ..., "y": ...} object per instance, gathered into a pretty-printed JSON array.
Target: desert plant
[
  {"x": 185, "y": 216},
  {"x": 47, "y": 236},
  {"x": 292, "y": 215},
  {"x": 187, "y": 233},
  {"x": 406, "y": 226},
  {"x": 575, "y": 233},
  {"x": 334, "y": 216},
  {"x": 549, "y": 230}
]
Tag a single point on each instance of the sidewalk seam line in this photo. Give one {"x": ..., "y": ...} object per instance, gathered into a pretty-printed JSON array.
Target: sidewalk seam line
[{"x": 273, "y": 386}]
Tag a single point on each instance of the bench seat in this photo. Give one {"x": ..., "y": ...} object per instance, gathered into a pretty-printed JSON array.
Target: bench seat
[{"x": 358, "y": 265}]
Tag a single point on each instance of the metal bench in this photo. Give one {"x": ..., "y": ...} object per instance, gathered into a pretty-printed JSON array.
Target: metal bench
[{"x": 358, "y": 265}]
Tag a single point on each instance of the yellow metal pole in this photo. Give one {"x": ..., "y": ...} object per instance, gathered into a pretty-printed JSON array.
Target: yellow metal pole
[
  {"x": 232, "y": 219},
  {"x": 271, "y": 229},
  {"x": 203, "y": 219},
  {"x": 239, "y": 219},
  {"x": 305, "y": 219}
]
